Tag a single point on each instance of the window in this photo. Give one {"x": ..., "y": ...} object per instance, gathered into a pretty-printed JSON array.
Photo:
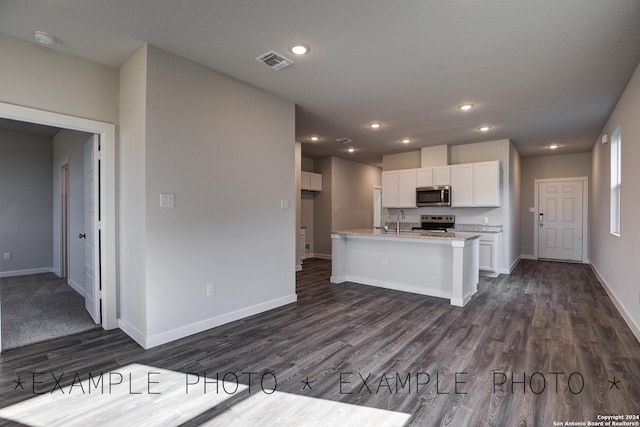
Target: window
[{"x": 616, "y": 180}]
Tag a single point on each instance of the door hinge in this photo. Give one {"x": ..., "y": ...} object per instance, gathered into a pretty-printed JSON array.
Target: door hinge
[
  {"x": 98, "y": 294},
  {"x": 98, "y": 225}
]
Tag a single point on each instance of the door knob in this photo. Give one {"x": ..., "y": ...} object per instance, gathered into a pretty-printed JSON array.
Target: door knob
[{"x": 82, "y": 236}]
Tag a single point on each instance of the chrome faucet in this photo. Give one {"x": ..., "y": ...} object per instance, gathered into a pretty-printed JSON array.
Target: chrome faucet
[{"x": 400, "y": 211}]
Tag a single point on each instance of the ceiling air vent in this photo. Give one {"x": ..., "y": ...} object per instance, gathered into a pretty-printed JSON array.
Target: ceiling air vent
[
  {"x": 274, "y": 60},
  {"x": 344, "y": 140}
]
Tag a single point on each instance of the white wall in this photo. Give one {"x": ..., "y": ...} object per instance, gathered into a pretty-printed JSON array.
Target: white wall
[
  {"x": 514, "y": 211},
  {"x": 543, "y": 167},
  {"x": 616, "y": 258},
  {"x": 226, "y": 150},
  {"x": 322, "y": 206},
  {"x": 25, "y": 202},
  {"x": 352, "y": 194},
  {"x": 346, "y": 200},
  {"x": 68, "y": 145},
  {"x": 34, "y": 76},
  {"x": 132, "y": 283}
]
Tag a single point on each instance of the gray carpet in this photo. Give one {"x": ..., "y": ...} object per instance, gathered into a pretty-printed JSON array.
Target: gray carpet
[{"x": 40, "y": 307}]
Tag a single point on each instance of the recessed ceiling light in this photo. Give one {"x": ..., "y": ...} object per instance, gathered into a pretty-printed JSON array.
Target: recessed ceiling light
[
  {"x": 351, "y": 149},
  {"x": 314, "y": 138},
  {"x": 465, "y": 107},
  {"x": 484, "y": 128},
  {"x": 43, "y": 38},
  {"x": 553, "y": 146},
  {"x": 374, "y": 125},
  {"x": 299, "y": 48},
  {"x": 405, "y": 141}
]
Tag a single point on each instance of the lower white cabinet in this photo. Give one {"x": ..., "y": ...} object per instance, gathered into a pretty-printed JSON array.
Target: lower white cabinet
[{"x": 488, "y": 257}]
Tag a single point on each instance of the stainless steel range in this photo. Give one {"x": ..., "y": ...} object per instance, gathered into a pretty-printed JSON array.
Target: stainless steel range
[{"x": 436, "y": 222}]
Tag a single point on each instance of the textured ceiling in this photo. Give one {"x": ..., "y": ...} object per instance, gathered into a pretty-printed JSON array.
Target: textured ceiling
[{"x": 538, "y": 72}]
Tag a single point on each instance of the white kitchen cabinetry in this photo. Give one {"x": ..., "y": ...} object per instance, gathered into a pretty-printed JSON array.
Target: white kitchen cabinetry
[
  {"x": 399, "y": 189},
  {"x": 475, "y": 184},
  {"x": 424, "y": 177},
  {"x": 486, "y": 184},
  {"x": 488, "y": 253},
  {"x": 310, "y": 181},
  {"x": 429, "y": 177},
  {"x": 442, "y": 175},
  {"x": 316, "y": 182},
  {"x": 462, "y": 185}
]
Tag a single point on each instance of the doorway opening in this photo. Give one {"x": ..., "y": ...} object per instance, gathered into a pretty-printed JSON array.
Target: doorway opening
[
  {"x": 104, "y": 224},
  {"x": 561, "y": 213}
]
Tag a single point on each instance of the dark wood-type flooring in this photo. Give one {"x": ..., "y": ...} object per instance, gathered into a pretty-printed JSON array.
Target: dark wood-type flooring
[{"x": 540, "y": 345}]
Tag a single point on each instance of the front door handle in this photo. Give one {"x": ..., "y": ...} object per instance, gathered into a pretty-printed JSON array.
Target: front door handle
[{"x": 82, "y": 236}]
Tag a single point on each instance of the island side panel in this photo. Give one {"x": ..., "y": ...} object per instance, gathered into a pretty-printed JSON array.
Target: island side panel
[
  {"x": 465, "y": 271},
  {"x": 412, "y": 265},
  {"x": 338, "y": 258}
]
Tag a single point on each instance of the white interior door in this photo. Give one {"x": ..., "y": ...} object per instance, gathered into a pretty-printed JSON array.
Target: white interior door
[
  {"x": 560, "y": 217},
  {"x": 91, "y": 234}
]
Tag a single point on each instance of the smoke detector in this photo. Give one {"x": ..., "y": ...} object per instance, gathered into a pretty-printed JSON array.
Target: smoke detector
[
  {"x": 274, "y": 60},
  {"x": 344, "y": 140}
]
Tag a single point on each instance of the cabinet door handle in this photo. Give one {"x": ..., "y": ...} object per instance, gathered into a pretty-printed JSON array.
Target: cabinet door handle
[{"x": 82, "y": 236}]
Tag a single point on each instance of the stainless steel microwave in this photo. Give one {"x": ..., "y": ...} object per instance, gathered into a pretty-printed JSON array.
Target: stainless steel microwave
[{"x": 433, "y": 196}]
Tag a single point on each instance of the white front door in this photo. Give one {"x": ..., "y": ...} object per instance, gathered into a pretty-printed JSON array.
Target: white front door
[
  {"x": 560, "y": 216},
  {"x": 91, "y": 234}
]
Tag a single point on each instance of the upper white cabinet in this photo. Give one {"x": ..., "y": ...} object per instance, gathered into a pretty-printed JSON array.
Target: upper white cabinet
[
  {"x": 399, "y": 189},
  {"x": 442, "y": 175},
  {"x": 486, "y": 184},
  {"x": 475, "y": 184},
  {"x": 429, "y": 177},
  {"x": 424, "y": 177},
  {"x": 462, "y": 185},
  {"x": 310, "y": 181}
]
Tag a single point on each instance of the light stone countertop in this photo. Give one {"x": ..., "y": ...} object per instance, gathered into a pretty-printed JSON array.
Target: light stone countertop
[
  {"x": 427, "y": 235},
  {"x": 477, "y": 228}
]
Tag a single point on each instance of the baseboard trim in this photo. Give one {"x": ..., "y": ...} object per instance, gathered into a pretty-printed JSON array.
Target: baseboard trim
[
  {"x": 133, "y": 333},
  {"x": 514, "y": 264},
  {"x": 321, "y": 256},
  {"x": 616, "y": 301},
  {"x": 394, "y": 285},
  {"x": 528, "y": 256},
  {"x": 79, "y": 289},
  {"x": 194, "y": 328},
  {"x": 16, "y": 273}
]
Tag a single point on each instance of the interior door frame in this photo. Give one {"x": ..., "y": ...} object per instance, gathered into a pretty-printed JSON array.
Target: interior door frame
[
  {"x": 585, "y": 213},
  {"x": 65, "y": 265},
  {"x": 107, "y": 175}
]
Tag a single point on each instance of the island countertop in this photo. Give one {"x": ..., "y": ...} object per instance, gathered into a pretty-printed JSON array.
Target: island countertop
[{"x": 429, "y": 235}]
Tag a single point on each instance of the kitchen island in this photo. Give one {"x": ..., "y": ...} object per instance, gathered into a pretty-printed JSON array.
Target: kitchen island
[{"x": 437, "y": 264}]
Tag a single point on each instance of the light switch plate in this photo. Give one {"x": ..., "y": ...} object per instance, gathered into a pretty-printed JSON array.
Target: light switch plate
[
  {"x": 532, "y": 210},
  {"x": 7, "y": 256},
  {"x": 167, "y": 200},
  {"x": 284, "y": 204}
]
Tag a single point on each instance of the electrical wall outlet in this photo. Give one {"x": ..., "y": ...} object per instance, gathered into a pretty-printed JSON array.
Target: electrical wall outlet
[
  {"x": 211, "y": 290},
  {"x": 7, "y": 256}
]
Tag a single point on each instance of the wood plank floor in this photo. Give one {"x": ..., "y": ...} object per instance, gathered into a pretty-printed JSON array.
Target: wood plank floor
[{"x": 543, "y": 344}]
